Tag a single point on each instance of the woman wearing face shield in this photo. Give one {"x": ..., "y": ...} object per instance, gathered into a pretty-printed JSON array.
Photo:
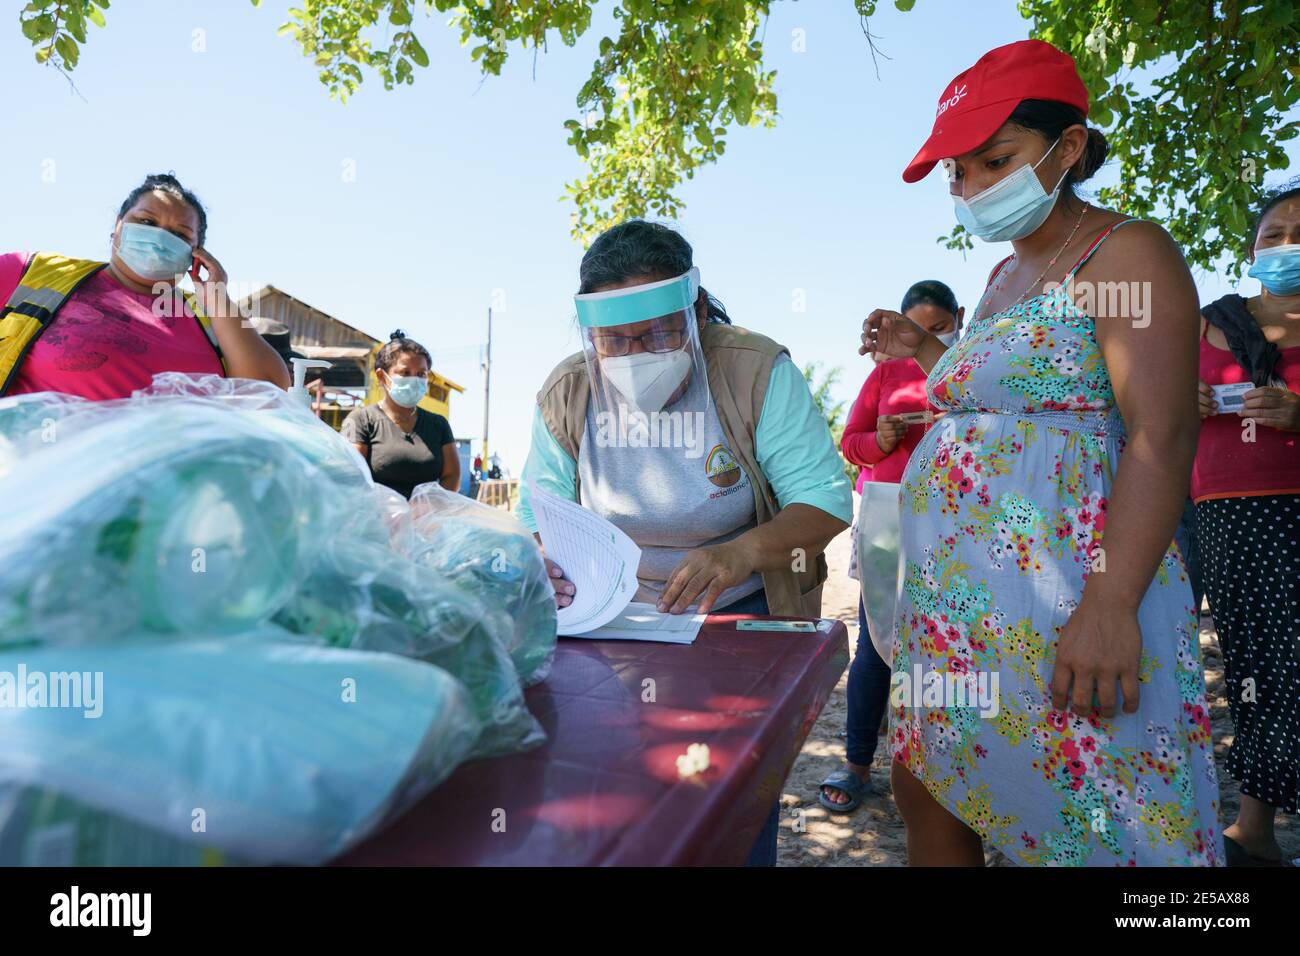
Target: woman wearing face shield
[
  {"x": 101, "y": 330},
  {"x": 1246, "y": 485},
  {"x": 699, "y": 439},
  {"x": 1068, "y": 411}
]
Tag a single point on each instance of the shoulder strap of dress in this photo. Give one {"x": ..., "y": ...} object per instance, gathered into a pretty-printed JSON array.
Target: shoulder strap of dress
[
  {"x": 1087, "y": 253},
  {"x": 996, "y": 269}
]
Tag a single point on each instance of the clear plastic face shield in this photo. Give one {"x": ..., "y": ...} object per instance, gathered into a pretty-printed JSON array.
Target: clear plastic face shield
[{"x": 649, "y": 387}]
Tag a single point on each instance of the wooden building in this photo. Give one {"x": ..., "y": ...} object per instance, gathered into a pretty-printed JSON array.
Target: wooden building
[{"x": 350, "y": 380}]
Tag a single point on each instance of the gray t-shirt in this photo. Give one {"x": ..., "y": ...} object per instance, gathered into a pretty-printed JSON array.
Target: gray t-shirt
[
  {"x": 397, "y": 459},
  {"x": 669, "y": 500}
]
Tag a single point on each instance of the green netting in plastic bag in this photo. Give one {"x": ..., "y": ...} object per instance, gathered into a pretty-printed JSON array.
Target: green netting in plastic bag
[{"x": 207, "y": 510}]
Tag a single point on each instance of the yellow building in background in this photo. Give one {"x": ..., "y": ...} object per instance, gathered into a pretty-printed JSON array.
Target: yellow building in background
[
  {"x": 440, "y": 388},
  {"x": 351, "y": 352}
]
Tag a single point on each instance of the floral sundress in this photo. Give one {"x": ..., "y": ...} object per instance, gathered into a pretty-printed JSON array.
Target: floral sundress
[{"x": 1003, "y": 506}]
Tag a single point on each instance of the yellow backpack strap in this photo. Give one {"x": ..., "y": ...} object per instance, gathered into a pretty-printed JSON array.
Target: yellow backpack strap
[
  {"x": 205, "y": 323},
  {"x": 47, "y": 282}
]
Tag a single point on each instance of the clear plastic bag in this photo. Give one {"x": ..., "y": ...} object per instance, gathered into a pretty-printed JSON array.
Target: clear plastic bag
[
  {"x": 167, "y": 518},
  {"x": 354, "y": 601},
  {"x": 254, "y": 748},
  {"x": 205, "y": 508},
  {"x": 489, "y": 553},
  {"x": 30, "y": 417},
  {"x": 878, "y": 561}
]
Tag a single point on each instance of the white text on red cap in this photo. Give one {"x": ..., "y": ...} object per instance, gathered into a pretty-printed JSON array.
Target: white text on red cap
[{"x": 953, "y": 100}]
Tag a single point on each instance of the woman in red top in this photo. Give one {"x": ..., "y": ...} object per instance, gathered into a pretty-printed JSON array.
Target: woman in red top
[
  {"x": 876, "y": 440},
  {"x": 1246, "y": 485},
  {"x": 126, "y": 323},
  {"x": 874, "y": 436}
]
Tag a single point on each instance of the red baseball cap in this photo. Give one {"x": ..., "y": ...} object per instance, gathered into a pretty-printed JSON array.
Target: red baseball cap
[{"x": 979, "y": 100}]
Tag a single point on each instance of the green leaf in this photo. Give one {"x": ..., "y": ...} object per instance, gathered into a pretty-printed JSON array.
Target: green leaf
[
  {"x": 416, "y": 51},
  {"x": 67, "y": 49},
  {"x": 1217, "y": 79},
  {"x": 39, "y": 28}
]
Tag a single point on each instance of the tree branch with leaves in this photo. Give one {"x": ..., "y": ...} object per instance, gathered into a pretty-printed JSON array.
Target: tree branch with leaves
[{"x": 1192, "y": 94}]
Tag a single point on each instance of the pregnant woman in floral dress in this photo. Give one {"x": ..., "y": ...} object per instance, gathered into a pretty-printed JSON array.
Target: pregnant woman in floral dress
[{"x": 1037, "y": 514}]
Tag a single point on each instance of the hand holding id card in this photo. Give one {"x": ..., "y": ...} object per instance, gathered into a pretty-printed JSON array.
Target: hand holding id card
[
  {"x": 1230, "y": 398},
  {"x": 925, "y": 417}
]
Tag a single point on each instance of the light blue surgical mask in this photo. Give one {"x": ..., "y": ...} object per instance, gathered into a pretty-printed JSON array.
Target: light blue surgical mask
[
  {"x": 1010, "y": 209},
  {"x": 407, "y": 390},
  {"x": 1278, "y": 269},
  {"x": 153, "y": 253}
]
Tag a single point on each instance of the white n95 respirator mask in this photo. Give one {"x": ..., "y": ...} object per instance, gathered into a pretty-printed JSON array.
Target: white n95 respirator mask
[{"x": 647, "y": 379}]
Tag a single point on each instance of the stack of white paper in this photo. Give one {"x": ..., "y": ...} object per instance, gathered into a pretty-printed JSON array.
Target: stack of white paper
[
  {"x": 601, "y": 562},
  {"x": 641, "y": 622}
]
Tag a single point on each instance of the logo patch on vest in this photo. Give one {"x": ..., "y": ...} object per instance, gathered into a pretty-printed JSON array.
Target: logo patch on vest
[{"x": 721, "y": 468}]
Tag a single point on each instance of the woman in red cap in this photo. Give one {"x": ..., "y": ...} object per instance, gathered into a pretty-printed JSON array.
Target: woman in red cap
[{"x": 1047, "y": 696}]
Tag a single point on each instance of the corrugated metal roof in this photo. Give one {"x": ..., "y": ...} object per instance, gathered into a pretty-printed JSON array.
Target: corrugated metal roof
[{"x": 253, "y": 302}]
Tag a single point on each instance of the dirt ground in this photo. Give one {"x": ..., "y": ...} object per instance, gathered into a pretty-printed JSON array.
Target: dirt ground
[{"x": 873, "y": 834}]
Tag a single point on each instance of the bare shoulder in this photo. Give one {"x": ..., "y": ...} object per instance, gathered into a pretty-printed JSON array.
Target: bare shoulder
[{"x": 1136, "y": 246}]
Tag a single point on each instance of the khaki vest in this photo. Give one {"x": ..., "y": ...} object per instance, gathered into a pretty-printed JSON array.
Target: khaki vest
[{"x": 739, "y": 363}]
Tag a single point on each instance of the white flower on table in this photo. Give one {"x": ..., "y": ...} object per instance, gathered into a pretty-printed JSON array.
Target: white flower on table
[{"x": 695, "y": 760}]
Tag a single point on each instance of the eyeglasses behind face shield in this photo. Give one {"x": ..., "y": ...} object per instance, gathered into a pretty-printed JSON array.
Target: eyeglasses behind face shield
[{"x": 668, "y": 335}]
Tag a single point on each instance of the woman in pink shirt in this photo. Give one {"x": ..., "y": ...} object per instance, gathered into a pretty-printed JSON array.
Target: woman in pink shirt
[
  {"x": 127, "y": 320},
  {"x": 874, "y": 437},
  {"x": 1246, "y": 485},
  {"x": 880, "y": 443}
]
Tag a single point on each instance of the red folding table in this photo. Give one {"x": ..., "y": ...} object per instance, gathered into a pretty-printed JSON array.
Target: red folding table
[{"x": 604, "y": 789}]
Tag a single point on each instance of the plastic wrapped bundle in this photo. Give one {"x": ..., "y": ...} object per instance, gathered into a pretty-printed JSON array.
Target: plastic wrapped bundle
[
  {"x": 496, "y": 694},
  {"x": 251, "y": 749},
  {"x": 208, "y": 508},
  {"x": 395, "y": 515},
  {"x": 360, "y": 597},
  {"x": 167, "y": 519},
  {"x": 491, "y": 555},
  {"x": 197, "y": 505},
  {"x": 27, "y": 417}
]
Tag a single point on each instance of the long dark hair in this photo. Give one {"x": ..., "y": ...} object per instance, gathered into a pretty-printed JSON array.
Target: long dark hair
[{"x": 638, "y": 248}]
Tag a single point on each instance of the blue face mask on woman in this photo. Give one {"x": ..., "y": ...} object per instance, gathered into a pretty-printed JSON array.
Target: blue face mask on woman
[
  {"x": 407, "y": 390},
  {"x": 153, "y": 253},
  {"x": 1010, "y": 209},
  {"x": 1278, "y": 269}
]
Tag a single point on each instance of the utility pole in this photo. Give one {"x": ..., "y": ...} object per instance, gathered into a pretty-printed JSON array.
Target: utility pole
[{"x": 487, "y": 388}]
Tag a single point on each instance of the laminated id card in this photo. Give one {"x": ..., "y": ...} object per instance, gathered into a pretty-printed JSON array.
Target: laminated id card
[
  {"x": 1230, "y": 398},
  {"x": 925, "y": 417},
  {"x": 804, "y": 626}
]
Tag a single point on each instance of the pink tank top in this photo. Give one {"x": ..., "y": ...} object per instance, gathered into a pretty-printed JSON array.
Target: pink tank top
[
  {"x": 1226, "y": 465},
  {"x": 107, "y": 341}
]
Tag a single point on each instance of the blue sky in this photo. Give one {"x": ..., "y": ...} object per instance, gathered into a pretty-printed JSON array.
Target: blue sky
[{"x": 459, "y": 179}]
